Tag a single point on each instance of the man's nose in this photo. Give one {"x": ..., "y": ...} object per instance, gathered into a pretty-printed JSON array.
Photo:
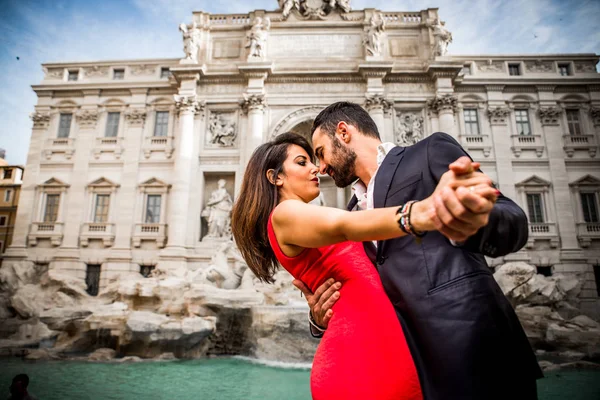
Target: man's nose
[{"x": 322, "y": 168}]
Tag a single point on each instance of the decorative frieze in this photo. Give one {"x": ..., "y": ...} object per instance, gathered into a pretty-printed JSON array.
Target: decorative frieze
[
  {"x": 490, "y": 66},
  {"x": 55, "y": 73},
  {"x": 409, "y": 128},
  {"x": 253, "y": 102},
  {"x": 539, "y": 66},
  {"x": 40, "y": 120},
  {"x": 135, "y": 116},
  {"x": 222, "y": 130},
  {"x": 87, "y": 118},
  {"x": 444, "y": 103},
  {"x": 96, "y": 72},
  {"x": 549, "y": 115},
  {"x": 142, "y": 69},
  {"x": 498, "y": 115},
  {"x": 585, "y": 67}
]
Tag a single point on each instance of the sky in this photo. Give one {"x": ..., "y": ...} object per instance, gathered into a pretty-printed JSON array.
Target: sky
[{"x": 33, "y": 32}]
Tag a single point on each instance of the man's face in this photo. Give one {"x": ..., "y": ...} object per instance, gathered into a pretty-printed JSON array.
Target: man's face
[{"x": 335, "y": 158}]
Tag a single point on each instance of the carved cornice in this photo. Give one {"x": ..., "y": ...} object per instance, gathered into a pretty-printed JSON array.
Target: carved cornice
[
  {"x": 87, "y": 118},
  {"x": 135, "y": 116},
  {"x": 545, "y": 88},
  {"x": 377, "y": 101},
  {"x": 221, "y": 81},
  {"x": 594, "y": 88},
  {"x": 498, "y": 115},
  {"x": 520, "y": 89},
  {"x": 406, "y": 78},
  {"x": 469, "y": 89},
  {"x": 550, "y": 115},
  {"x": 316, "y": 79},
  {"x": 253, "y": 102},
  {"x": 494, "y": 88},
  {"x": 447, "y": 102},
  {"x": 595, "y": 114},
  {"x": 40, "y": 120},
  {"x": 188, "y": 104},
  {"x": 572, "y": 89}
]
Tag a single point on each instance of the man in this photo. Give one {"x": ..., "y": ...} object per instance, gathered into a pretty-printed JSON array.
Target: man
[
  {"x": 18, "y": 388},
  {"x": 465, "y": 338}
]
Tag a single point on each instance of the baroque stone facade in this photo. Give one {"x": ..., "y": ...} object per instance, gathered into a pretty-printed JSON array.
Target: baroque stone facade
[{"x": 134, "y": 163}]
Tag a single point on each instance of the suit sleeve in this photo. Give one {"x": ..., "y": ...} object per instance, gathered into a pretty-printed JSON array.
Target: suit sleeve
[{"x": 507, "y": 230}]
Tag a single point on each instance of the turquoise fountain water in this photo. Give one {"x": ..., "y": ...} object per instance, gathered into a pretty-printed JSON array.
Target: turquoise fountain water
[{"x": 214, "y": 379}]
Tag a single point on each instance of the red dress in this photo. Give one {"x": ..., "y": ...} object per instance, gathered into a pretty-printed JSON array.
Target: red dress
[{"x": 363, "y": 354}]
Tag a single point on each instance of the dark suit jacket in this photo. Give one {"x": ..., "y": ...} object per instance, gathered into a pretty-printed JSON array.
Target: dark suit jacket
[{"x": 465, "y": 338}]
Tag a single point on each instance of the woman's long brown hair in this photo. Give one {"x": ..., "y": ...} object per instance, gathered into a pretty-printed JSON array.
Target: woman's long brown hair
[{"x": 257, "y": 198}]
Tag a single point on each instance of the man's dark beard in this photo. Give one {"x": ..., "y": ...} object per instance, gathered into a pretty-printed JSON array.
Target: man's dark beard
[{"x": 343, "y": 158}]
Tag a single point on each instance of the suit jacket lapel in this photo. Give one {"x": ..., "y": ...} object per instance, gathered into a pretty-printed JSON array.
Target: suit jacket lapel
[
  {"x": 383, "y": 181},
  {"x": 352, "y": 203}
]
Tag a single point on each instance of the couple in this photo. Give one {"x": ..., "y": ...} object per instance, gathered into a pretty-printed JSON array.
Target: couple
[{"x": 428, "y": 321}]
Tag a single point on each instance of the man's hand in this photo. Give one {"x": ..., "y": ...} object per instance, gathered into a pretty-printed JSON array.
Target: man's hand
[
  {"x": 322, "y": 300},
  {"x": 463, "y": 200}
]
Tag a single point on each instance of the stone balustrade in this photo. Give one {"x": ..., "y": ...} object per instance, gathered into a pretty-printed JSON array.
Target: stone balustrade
[
  {"x": 571, "y": 143},
  {"x": 97, "y": 230},
  {"x": 586, "y": 231},
  {"x": 155, "y": 232},
  {"x": 477, "y": 142},
  {"x": 65, "y": 146},
  {"x": 159, "y": 144},
  {"x": 46, "y": 230},
  {"x": 527, "y": 142},
  {"x": 547, "y": 231}
]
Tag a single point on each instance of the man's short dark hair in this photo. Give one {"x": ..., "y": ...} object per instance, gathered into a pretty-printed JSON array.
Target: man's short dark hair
[
  {"x": 351, "y": 113},
  {"x": 22, "y": 378}
]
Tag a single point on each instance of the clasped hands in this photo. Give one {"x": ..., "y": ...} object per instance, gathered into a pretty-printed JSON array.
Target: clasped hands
[{"x": 459, "y": 206}]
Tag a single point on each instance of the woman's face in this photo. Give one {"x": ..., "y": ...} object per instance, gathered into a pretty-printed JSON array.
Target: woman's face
[{"x": 299, "y": 178}]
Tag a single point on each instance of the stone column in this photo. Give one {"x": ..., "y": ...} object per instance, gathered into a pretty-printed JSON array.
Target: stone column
[
  {"x": 549, "y": 115},
  {"x": 445, "y": 106},
  {"x": 177, "y": 217},
  {"x": 376, "y": 105},
  {"x": 253, "y": 106},
  {"x": 498, "y": 118}
]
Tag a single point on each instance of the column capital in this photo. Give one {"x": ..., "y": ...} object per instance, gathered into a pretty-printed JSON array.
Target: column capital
[
  {"x": 40, "y": 119},
  {"x": 498, "y": 115},
  {"x": 135, "y": 116},
  {"x": 253, "y": 102},
  {"x": 446, "y": 103},
  {"x": 550, "y": 115},
  {"x": 377, "y": 102},
  {"x": 188, "y": 104}
]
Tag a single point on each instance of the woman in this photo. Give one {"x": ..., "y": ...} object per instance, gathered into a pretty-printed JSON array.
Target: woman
[{"x": 363, "y": 354}]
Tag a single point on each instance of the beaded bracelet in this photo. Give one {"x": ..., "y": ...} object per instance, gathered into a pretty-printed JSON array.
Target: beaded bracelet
[{"x": 403, "y": 219}]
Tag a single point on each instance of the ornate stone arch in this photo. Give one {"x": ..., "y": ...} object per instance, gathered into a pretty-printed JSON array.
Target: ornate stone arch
[{"x": 294, "y": 118}]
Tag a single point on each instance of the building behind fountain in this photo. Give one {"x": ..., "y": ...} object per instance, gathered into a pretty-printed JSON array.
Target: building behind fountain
[{"x": 134, "y": 164}]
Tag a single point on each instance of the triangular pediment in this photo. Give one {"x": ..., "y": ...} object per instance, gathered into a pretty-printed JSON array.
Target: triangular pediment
[
  {"x": 534, "y": 181},
  {"x": 103, "y": 182},
  {"x": 154, "y": 182},
  {"x": 587, "y": 180},
  {"x": 54, "y": 182}
]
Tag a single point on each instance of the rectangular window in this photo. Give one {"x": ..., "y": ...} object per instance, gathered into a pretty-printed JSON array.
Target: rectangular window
[
  {"x": 7, "y": 195},
  {"x": 118, "y": 74},
  {"x": 7, "y": 173},
  {"x": 112, "y": 124},
  {"x": 73, "y": 76},
  {"x": 573, "y": 122},
  {"x": 165, "y": 73},
  {"x": 522, "y": 118},
  {"x": 514, "y": 69},
  {"x": 101, "y": 209},
  {"x": 146, "y": 270},
  {"x": 153, "y": 208},
  {"x": 64, "y": 125},
  {"x": 3, "y": 220},
  {"x": 589, "y": 205},
  {"x": 471, "y": 122},
  {"x": 546, "y": 271},
  {"x": 92, "y": 279},
  {"x": 534, "y": 204},
  {"x": 51, "y": 208},
  {"x": 564, "y": 69},
  {"x": 161, "y": 125}
]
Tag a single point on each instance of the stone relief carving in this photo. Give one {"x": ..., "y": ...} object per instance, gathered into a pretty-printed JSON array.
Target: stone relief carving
[
  {"x": 287, "y": 6},
  {"x": 256, "y": 38},
  {"x": 191, "y": 42},
  {"x": 445, "y": 102},
  {"x": 585, "y": 67},
  {"x": 96, "y": 72},
  {"x": 498, "y": 115},
  {"x": 539, "y": 66},
  {"x": 253, "y": 102},
  {"x": 221, "y": 130},
  {"x": 409, "y": 129},
  {"x": 442, "y": 37},
  {"x": 373, "y": 39},
  {"x": 549, "y": 115},
  {"x": 87, "y": 118},
  {"x": 143, "y": 69},
  {"x": 491, "y": 66},
  {"x": 220, "y": 273},
  {"x": 40, "y": 120},
  {"x": 595, "y": 114},
  {"x": 135, "y": 116},
  {"x": 57, "y": 73},
  {"x": 217, "y": 212},
  {"x": 377, "y": 101},
  {"x": 316, "y": 9}
]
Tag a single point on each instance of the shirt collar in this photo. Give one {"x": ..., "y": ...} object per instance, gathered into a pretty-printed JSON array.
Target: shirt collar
[{"x": 359, "y": 188}]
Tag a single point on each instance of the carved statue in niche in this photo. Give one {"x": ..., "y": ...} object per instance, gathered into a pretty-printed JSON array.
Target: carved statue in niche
[
  {"x": 410, "y": 129},
  {"x": 442, "y": 37},
  {"x": 191, "y": 42},
  {"x": 287, "y": 6},
  {"x": 256, "y": 38},
  {"x": 218, "y": 212},
  {"x": 222, "y": 131},
  {"x": 373, "y": 37}
]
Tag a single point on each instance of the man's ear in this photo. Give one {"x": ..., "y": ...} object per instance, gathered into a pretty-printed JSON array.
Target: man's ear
[
  {"x": 343, "y": 132},
  {"x": 275, "y": 180}
]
